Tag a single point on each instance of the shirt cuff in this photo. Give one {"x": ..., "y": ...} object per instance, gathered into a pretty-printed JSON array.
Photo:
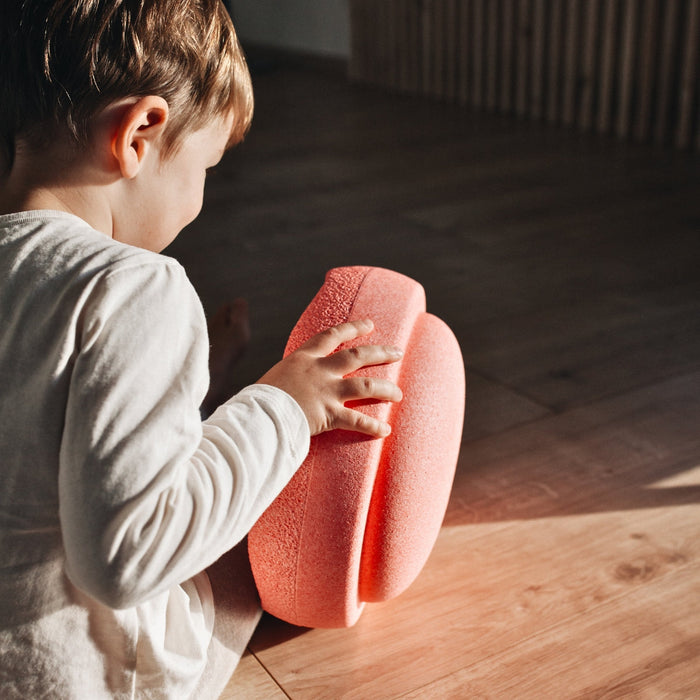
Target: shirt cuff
[{"x": 291, "y": 416}]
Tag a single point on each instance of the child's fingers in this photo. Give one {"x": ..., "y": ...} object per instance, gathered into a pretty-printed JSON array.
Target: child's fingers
[
  {"x": 347, "y": 361},
  {"x": 327, "y": 341},
  {"x": 358, "y": 388},
  {"x": 358, "y": 422}
]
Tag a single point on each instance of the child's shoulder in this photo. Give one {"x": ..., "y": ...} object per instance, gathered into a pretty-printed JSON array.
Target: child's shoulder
[
  {"x": 59, "y": 256},
  {"x": 55, "y": 240}
]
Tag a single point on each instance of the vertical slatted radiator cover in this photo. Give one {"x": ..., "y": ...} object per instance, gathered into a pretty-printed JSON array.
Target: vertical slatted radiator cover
[{"x": 625, "y": 67}]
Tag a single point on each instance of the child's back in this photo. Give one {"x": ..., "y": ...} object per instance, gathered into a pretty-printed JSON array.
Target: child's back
[{"x": 110, "y": 498}]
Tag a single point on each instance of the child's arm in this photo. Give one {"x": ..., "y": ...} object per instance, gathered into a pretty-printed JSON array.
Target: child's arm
[
  {"x": 315, "y": 376},
  {"x": 149, "y": 495}
]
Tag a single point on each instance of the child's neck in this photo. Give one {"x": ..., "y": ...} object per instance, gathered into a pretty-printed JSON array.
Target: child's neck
[{"x": 30, "y": 184}]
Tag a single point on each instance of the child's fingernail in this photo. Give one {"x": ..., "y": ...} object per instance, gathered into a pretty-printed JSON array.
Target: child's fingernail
[
  {"x": 386, "y": 430},
  {"x": 396, "y": 352}
]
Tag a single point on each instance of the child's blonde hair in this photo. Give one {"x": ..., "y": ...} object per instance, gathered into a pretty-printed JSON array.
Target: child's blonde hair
[{"x": 63, "y": 61}]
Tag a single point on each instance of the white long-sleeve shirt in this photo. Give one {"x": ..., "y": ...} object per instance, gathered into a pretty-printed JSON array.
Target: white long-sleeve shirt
[{"x": 114, "y": 495}]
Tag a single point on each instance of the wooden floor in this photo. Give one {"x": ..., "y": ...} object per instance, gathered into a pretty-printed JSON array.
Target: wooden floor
[{"x": 568, "y": 565}]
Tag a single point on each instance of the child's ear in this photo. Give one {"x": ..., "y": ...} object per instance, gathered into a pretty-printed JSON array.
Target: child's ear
[{"x": 138, "y": 129}]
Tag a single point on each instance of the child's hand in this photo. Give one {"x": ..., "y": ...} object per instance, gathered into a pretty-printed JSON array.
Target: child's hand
[{"x": 316, "y": 377}]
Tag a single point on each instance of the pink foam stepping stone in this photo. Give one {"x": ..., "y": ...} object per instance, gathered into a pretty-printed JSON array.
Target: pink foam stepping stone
[{"x": 359, "y": 519}]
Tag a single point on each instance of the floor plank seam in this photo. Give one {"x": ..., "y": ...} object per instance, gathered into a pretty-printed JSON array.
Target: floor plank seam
[
  {"x": 269, "y": 673},
  {"x": 513, "y": 389},
  {"x": 505, "y": 431}
]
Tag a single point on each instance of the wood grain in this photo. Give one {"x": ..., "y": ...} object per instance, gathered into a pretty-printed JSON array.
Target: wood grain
[{"x": 634, "y": 634}]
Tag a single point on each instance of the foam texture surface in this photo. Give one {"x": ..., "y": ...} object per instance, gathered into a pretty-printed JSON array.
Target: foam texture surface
[{"x": 358, "y": 520}]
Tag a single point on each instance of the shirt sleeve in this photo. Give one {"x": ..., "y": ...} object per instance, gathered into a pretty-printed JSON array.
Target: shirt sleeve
[{"x": 150, "y": 495}]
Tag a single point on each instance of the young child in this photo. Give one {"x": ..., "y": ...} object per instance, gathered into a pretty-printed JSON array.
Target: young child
[{"x": 115, "y": 497}]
